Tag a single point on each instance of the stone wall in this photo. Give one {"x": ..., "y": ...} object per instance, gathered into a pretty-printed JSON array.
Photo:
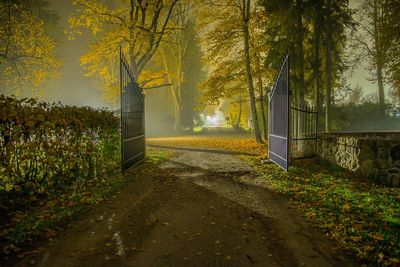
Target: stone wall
[{"x": 375, "y": 156}]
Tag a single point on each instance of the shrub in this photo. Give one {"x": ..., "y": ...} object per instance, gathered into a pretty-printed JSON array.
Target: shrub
[
  {"x": 365, "y": 117},
  {"x": 48, "y": 146}
]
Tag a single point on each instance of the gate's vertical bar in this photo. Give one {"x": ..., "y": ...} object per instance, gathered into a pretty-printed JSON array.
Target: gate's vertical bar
[
  {"x": 316, "y": 130},
  {"x": 308, "y": 121}
]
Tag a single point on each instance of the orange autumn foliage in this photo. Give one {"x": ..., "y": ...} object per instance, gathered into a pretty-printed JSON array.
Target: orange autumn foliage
[{"x": 236, "y": 143}]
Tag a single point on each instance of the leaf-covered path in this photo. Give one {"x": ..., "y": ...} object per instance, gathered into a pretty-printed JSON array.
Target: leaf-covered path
[{"x": 202, "y": 207}]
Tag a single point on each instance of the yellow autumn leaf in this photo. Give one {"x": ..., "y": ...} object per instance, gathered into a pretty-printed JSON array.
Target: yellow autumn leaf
[{"x": 346, "y": 207}]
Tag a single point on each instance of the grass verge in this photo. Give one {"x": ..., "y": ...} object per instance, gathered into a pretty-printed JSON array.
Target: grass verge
[{"x": 363, "y": 218}]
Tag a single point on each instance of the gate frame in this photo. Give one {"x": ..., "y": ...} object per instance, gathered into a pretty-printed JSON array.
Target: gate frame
[
  {"x": 288, "y": 139},
  {"x": 125, "y": 80}
]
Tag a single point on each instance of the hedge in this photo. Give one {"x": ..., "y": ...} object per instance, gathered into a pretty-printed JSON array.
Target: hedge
[{"x": 47, "y": 146}]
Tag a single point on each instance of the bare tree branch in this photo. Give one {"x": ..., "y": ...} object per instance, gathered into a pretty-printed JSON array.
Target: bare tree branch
[{"x": 158, "y": 86}]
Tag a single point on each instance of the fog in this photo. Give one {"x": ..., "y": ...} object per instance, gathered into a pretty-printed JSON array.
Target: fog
[{"x": 74, "y": 87}]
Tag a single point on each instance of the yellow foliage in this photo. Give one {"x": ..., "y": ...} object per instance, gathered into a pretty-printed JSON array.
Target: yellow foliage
[
  {"x": 232, "y": 111},
  {"x": 221, "y": 27},
  {"x": 113, "y": 27},
  {"x": 27, "y": 53}
]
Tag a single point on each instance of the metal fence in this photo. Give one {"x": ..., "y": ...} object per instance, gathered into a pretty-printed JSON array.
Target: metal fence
[
  {"x": 303, "y": 128},
  {"x": 278, "y": 130},
  {"x": 132, "y": 118}
]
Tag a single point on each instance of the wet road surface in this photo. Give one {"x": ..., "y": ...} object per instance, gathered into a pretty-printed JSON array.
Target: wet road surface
[{"x": 200, "y": 208}]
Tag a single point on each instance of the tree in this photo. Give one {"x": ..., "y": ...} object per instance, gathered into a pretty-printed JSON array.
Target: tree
[
  {"x": 337, "y": 16},
  {"x": 51, "y": 19},
  {"x": 285, "y": 31},
  {"x": 228, "y": 49},
  {"x": 391, "y": 36},
  {"x": 27, "y": 52},
  {"x": 244, "y": 8},
  {"x": 237, "y": 112},
  {"x": 356, "y": 95},
  {"x": 314, "y": 35},
  {"x": 328, "y": 66},
  {"x": 317, "y": 30},
  {"x": 371, "y": 43},
  {"x": 193, "y": 74},
  {"x": 138, "y": 26},
  {"x": 175, "y": 55},
  {"x": 259, "y": 50}
]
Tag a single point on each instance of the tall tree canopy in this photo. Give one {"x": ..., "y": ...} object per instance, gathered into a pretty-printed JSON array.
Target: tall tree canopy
[
  {"x": 178, "y": 55},
  {"x": 230, "y": 32},
  {"x": 392, "y": 36},
  {"x": 138, "y": 26},
  {"x": 371, "y": 43},
  {"x": 314, "y": 34},
  {"x": 193, "y": 74},
  {"x": 27, "y": 50}
]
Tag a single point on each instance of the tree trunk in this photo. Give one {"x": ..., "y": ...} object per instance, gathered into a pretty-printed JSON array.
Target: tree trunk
[
  {"x": 246, "y": 37},
  {"x": 381, "y": 91},
  {"x": 317, "y": 72},
  {"x": 379, "y": 58},
  {"x": 300, "y": 86},
  {"x": 328, "y": 72},
  {"x": 179, "y": 91},
  {"x": 240, "y": 113},
  {"x": 175, "y": 96},
  {"x": 300, "y": 53},
  {"x": 263, "y": 118}
]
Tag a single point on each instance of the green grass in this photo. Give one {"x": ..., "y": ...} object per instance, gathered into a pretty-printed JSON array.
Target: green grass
[
  {"x": 198, "y": 129},
  {"x": 363, "y": 218},
  {"x": 157, "y": 156}
]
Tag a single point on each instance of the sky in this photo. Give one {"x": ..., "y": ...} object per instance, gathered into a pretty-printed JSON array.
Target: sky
[{"x": 73, "y": 87}]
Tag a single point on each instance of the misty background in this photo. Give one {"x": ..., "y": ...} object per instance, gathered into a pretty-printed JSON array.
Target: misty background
[
  {"x": 74, "y": 88},
  {"x": 201, "y": 104}
]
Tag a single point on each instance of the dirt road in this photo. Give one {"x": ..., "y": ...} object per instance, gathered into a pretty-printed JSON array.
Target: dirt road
[{"x": 201, "y": 208}]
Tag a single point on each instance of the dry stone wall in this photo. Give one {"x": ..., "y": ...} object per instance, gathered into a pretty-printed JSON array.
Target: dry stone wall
[{"x": 375, "y": 156}]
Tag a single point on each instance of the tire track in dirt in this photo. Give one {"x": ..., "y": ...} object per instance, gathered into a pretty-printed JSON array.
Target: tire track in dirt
[{"x": 200, "y": 208}]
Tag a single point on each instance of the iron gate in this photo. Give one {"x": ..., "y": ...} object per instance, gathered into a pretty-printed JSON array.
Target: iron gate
[
  {"x": 278, "y": 130},
  {"x": 132, "y": 117},
  {"x": 303, "y": 126}
]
